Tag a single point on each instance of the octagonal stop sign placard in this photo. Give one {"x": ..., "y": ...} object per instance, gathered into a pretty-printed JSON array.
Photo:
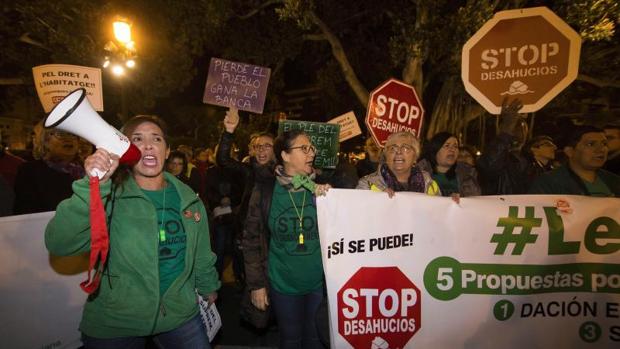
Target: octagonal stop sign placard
[
  {"x": 530, "y": 54},
  {"x": 379, "y": 307},
  {"x": 393, "y": 107}
]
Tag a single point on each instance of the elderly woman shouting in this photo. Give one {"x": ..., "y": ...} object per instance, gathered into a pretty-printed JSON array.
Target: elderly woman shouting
[
  {"x": 398, "y": 171},
  {"x": 281, "y": 243}
]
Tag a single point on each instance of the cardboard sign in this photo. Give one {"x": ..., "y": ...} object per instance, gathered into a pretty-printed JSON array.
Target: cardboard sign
[
  {"x": 322, "y": 135},
  {"x": 235, "y": 84},
  {"x": 55, "y": 81},
  {"x": 530, "y": 54},
  {"x": 349, "y": 127}
]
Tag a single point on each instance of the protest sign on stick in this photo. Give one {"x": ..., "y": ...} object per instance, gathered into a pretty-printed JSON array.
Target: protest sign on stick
[
  {"x": 349, "y": 127},
  {"x": 530, "y": 54},
  {"x": 236, "y": 84}
]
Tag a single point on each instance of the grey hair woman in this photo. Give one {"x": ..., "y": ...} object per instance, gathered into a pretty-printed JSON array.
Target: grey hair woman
[{"x": 397, "y": 169}]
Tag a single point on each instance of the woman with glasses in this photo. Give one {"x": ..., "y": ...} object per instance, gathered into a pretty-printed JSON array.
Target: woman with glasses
[
  {"x": 261, "y": 162},
  {"x": 43, "y": 183},
  {"x": 397, "y": 168},
  {"x": 440, "y": 159},
  {"x": 540, "y": 154},
  {"x": 258, "y": 169},
  {"x": 281, "y": 243}
]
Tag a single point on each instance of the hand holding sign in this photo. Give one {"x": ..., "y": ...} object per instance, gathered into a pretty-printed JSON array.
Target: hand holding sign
[
  {"x": 231, "y": 120},
  {"x": 510, "y": 116}
]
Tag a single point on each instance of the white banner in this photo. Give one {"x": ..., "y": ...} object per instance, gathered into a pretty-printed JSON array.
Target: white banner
[
  {"x": 40, "y": 297},
  {"x": 55, "y": 81},
  {"x": 417, "y": 271}
]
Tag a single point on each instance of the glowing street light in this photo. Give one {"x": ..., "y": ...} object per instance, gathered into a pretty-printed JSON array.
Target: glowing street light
[
  {"x": 120, "y": 54},
  {"x": 122, "y": 31},
  {"x": 118, "y": 70},
  {"x": 122, "y": 50}
]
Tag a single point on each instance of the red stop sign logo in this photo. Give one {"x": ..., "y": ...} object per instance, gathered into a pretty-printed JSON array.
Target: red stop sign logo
[
  {"x": 393, "y": 107},
  {"x": 379, "y": 308}
]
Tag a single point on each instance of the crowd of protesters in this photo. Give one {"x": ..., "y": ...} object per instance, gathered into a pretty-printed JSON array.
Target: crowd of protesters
[{"x": 260, "y": 212}]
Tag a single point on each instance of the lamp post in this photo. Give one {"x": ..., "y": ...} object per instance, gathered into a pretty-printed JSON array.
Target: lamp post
[{"x": 121, "y": 54}]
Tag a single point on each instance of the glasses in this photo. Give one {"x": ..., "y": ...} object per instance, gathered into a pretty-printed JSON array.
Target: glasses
[
  {"x": 261, "y": 147},
  {"x": 305, "y": 148},
  {"x": 61, "y": 134},
  {"x": 175, "y": 163},
  {"x": 544, "y": 144},
  {"x": 403, "y": 148}
]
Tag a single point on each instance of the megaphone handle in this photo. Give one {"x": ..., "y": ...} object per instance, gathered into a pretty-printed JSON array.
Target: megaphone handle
[{"x": 95, "y": 172}]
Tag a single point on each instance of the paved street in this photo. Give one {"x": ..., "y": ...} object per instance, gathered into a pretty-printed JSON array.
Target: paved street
[{"x": 236, "y": 333}]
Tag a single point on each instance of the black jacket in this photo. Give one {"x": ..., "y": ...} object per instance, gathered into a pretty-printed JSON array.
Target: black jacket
[
  {"x": 257, "y": 235},
  {"x": 564, "y": 180},
  {"x": 249, "y": 173},
  {"x": 502, "y": 170},
  {"x": 40, "y": 188}
]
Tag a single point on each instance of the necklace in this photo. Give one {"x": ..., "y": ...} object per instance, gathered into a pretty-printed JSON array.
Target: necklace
[
  {"x": 162, "y": 232},
  {"x": 300, "y": 218}
]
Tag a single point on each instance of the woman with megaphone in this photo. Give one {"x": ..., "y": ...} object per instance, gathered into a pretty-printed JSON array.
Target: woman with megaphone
[{"x": 159, "y": 248}]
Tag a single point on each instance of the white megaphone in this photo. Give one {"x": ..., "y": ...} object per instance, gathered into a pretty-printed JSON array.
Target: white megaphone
[{"x": 75, "y": 115}]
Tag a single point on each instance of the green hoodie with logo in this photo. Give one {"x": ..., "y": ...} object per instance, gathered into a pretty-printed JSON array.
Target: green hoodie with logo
[{"x": 128, "y": 301}]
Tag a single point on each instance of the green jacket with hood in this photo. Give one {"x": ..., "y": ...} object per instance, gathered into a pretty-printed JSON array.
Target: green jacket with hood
[{"x": 128, "y": 301}]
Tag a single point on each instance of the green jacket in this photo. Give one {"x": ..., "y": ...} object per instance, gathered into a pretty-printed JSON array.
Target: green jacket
[
  {"x": 563, "y": 180},
  {"x": 128, "y": 302}
]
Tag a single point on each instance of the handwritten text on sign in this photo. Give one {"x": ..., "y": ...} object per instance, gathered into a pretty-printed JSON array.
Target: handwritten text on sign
[
  {"x": 349, "y": 127},
  {"x": 323, "y": 136},
  {"x": 235, "y": 84},
  {"x": 54, "y": 81}
]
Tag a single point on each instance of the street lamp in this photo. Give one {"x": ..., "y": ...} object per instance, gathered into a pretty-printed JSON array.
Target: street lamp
[
  {"x": 123, "y": 49},
  {"x": 121, "y": 53},
  {"x": 122, "y": 31},
  {"x": 118, "y": 70}
]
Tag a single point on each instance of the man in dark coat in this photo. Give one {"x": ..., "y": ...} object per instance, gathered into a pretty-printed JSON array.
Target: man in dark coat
[
  {"x": 583, "y": 174},
  {"x": 612, "y": 132},
  {"x": 503, "y": 168}
]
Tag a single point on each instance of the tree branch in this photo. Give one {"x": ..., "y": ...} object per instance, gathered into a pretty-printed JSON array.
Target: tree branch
[
  {"x": 25, "y": 38},
  {"x": 260, "y": 8},
  {"x": 277, "y": 69},
  {"x": 413, "y": 73},
  {"x": 12, "y": 81},
  {"x": 598, "y": 82},
  {"x": 338, "y": 51},
  {"x": 314, "y": 37}
]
